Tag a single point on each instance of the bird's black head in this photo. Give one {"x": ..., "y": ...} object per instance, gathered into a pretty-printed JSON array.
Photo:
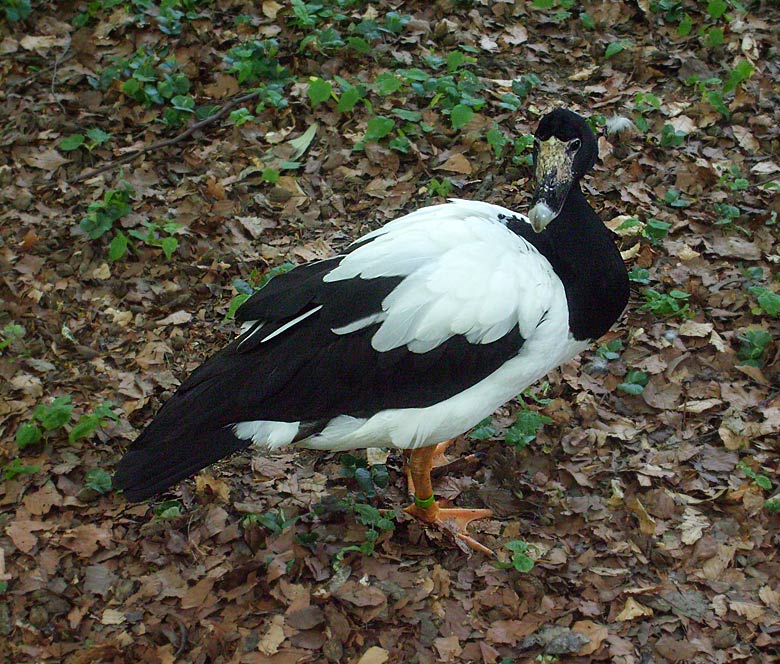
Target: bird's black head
[{"x": 565, "y": 148}]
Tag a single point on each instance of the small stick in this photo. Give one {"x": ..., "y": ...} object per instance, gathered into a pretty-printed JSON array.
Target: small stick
[
  {"x": 130, "y": 156},
  {"x": 65, "y": 57}
]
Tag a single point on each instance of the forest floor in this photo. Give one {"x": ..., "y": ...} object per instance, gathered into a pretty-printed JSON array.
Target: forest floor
[{"x": 641, "y": 479}]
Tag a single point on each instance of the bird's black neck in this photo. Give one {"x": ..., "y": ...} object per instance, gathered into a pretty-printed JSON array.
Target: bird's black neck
[{"x": 586, "y": 260}]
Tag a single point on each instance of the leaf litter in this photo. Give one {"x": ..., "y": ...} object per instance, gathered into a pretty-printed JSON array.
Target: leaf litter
[{"x": 648, "y": 507}]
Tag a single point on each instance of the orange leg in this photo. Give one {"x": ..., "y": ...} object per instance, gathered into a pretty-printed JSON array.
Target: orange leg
[
  {"x": 438, "y": 459},
  {"x": 427, "y": 509}
]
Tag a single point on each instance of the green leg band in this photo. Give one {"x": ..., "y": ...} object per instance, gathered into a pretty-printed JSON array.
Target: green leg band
[{"x": 424, "y": 504}]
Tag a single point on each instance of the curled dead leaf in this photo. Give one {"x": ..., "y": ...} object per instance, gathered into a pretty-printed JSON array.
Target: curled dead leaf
[
  {"x": 633, "y": 609},
  {"x": 646, "y": 522}
]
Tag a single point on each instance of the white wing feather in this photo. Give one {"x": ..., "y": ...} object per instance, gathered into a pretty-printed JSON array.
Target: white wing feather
[{"x": 465, "y": 274}]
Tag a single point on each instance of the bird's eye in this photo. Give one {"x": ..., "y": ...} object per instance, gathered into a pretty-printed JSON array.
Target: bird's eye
[{"x": 575, "y": 144}]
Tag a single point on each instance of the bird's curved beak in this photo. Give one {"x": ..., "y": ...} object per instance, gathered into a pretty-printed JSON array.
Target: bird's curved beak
[{"x": 554, "y": 175}]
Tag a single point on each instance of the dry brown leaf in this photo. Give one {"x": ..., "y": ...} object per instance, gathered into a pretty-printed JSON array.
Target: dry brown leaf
[
  {"x": 86, "y": 540},
  {"x": 457, "y": 163},
  {"x": 700, "y": 405},
  {"x": 448, "y": 647},
  {"x": 647, "y": 523},
  {"x": 374, "y": 655},
  {"x": 271, "y": 8},
  {"x": 176, "y": 318},
  {"x": 632, "y": 610},
  {"x": 595, "y": 633},
  {"x": 749, "y": 610},
  {"x": 42, "y": 43},
  {"x": 197, "y": 594},
  {"x": 770, "y": 596},
  {"x": 21, "y": 533},
  {"x": 40, "y": 502},
  {"x": 714, "y": 567},
  {"x": 693, "y": 525},
  {"x": 692, "y": 328},
  {"x": 273, "y": 637},
  {"x": 112, "y": 617},
  {"x": 47, "y": 160},
  {"x": 102, "y": 271}
]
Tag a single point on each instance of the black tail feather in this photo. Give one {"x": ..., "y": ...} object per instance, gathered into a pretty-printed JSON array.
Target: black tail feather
[{"x": 154, "y": 464}]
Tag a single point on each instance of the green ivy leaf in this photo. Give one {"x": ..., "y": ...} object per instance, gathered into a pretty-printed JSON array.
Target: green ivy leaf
[
  {"x": 98, "y": 136},
  {"x": 614, "y": 48},
  {"x": 587, "y": 21},
  {"x": 715, "y": 99},
  {"x": 497, "y": 140},
  {"x": 741, "y": 72},
  {"x": 72, "y": 142},
  {"x": 483, "y": 430},
  {"x": 715, "y": 37},
  {"x": 319, "y": 91},
  {"x": 767, "y": 300},
  {"x": 28, "y": 434},
  {"x": 118, "y": 247},
  {"x": 16, "y": 468},
  {"x": 631, "y": 388},
  {"x": 378, "y": 127},
  {"x": 359, "y": 44},
  {"x": 169, "y": 245},
  {"x": 348, "y": 99},
  {"x": 84, "y": 428},
  {"x": 183, "y": 103},
  {"x": 461, "y": 115},
  {"x": 685, "y": 26},
  {"x": 98, "y": 480},
  {"x": 235, "y": 303},
  {"x": 716, "y": 8},
  {"x": 454, "y": 60},
  {"x": 55, "y": 414},
  {"x": 409, "y": 116},
  {"x": 387, "y": 83}
]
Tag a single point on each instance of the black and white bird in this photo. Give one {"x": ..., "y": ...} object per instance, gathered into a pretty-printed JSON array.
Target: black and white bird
[{"x": 412, "y": 336}]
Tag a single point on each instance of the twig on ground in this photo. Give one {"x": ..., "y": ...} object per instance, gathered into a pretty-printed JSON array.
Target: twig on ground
[
  {"x": 65, "y": 57},
  {"x": 130, "y": 156}
]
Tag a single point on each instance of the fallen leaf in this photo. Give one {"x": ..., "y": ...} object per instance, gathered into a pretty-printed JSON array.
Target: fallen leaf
[
  {"x": 196, "y": 595},
  {"x": 101, "y": 272},
  {"x": 176, "y": 318},
  {"x": 749, "y": 610},
  {"x": 374, "y": 655},
  {"x": 86, "y": 540},
  {"x": 692, "y": 328},
  {"x": 112, "y": 617},
  {"x": 41, "y": 43},
  {"x": 595, "y": 633},
  {"x": 273, "y": 637},
  {"x": 693, "y": 525},
  {"x": 633, "y": 609},
  {"x": 448, "y": 647},
  {"x": 47, "y": 160},
  {"x": 457, "y": 163},
  {"x": 647, "y": 523}
]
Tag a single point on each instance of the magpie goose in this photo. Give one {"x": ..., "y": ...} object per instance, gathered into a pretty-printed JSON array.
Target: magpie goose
[{"x": 413, "y": 335}]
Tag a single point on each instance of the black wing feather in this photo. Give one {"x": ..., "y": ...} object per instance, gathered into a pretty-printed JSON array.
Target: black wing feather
[{"x": 307, "y": 374}]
